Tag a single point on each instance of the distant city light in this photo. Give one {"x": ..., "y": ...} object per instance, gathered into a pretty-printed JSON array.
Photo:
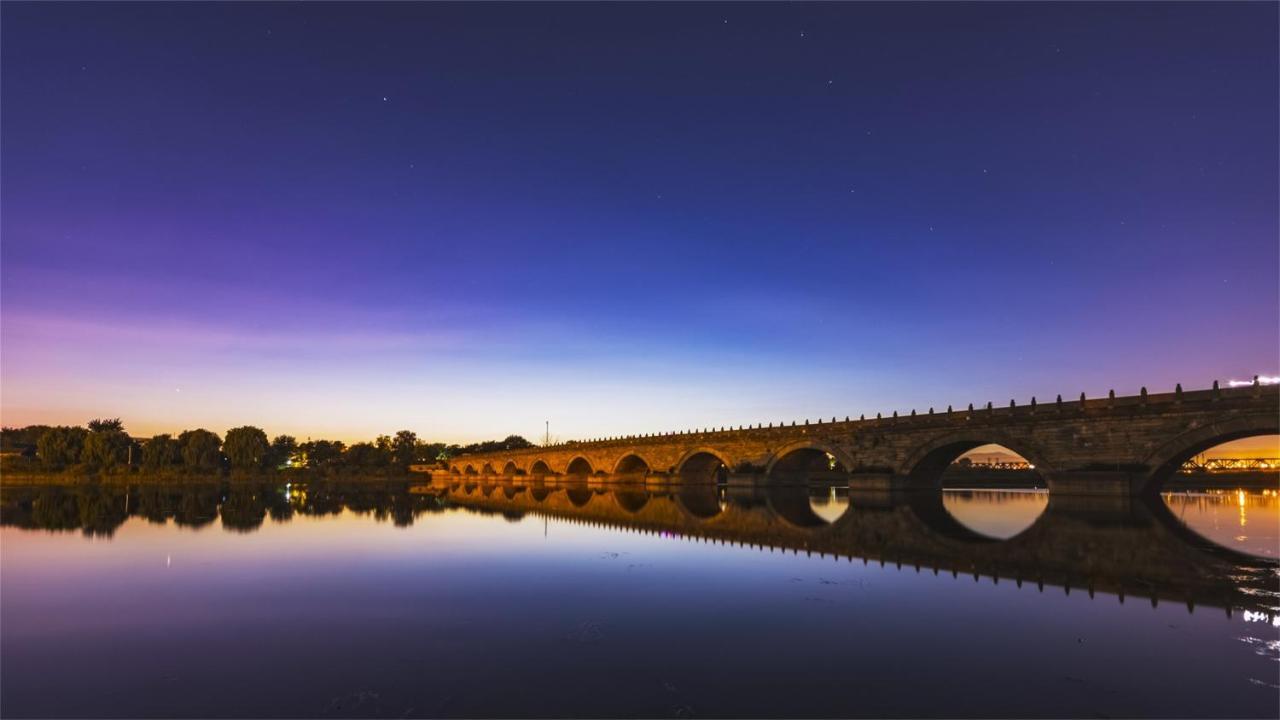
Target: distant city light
[{"x": 1262, "y": 380}]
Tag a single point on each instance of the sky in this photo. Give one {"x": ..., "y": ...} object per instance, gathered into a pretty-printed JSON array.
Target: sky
[{"x": 338, "y": 221}]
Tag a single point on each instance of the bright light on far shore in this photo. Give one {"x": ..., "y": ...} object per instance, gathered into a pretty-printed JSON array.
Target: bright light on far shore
[{"x": 1262, "y": 380}]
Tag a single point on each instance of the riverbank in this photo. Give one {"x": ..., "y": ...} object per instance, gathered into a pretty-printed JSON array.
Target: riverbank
[{"x": 78, "y": 479}]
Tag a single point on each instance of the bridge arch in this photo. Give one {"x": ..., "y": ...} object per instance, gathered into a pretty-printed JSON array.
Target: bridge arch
[
  {"x": 923, "y": 468},
  {"x": 632, "y": 464},
  {"x": 579, "y": 466},
  {"x": 805, "y": 456},
  {"x": 703, "y": 465},
  {"x": 488, "y": 469},
  {"x": 511, "y": 468},
  {"x": 540, "y": 467},
  {"x": 469, "y": 469},
  {"x": 1168, "y": 458}
]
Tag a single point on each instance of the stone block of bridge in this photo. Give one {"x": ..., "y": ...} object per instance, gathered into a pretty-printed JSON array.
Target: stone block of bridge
[
  {"x": 660, "y": 481},
  {"x": 1123, "y": 483},
  {"x": 876, "y": 482},
  {"x": 743, "y": 480}
]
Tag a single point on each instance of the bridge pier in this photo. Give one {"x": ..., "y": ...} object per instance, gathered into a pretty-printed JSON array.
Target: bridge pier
[
  {"x": 660, "y": 480},
  {"x": 1111, "y": 483},
  {"x": 879, "y": 482},
  {"x": 746, "y": 480}
]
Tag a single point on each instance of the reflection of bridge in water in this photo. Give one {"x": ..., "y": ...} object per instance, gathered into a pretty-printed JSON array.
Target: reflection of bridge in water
[{"x": 1122, "y": 546}]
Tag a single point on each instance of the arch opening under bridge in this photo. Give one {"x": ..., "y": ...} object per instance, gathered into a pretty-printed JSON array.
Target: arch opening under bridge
[
  {"x": 579, "y": 467},
  {"x": 1169, "y": 459},
  {"x": 807, "y": 463},
  {"x": 703, "y": 466},
  {"x": 631, "y": 465},
  {"x": 935, "y": 465}
]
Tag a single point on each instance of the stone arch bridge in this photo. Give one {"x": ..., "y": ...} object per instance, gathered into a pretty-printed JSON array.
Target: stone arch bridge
[{"x": 1113, "y": 445}]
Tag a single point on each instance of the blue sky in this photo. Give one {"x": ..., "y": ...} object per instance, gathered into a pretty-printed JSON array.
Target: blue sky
[{"x": 340, "y": 220}]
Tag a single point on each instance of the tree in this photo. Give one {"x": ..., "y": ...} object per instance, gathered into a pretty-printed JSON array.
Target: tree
[
  {"x": 22, "y": 440},
  {"x": 200, "y": 450},
  {"x": 425, "y": 452},
  {"x": 160, "y": 452},
  {"x": 282, "y": 450},
  {"x": 365, "y": 455},
  {"x": 515, "y": 442},
  {"x": 322, "y": 453},
  {"x": 61, "y": 446},
  {"x": 98, "y": 425},
  {"x": 246, "y": 447},
  {"x": 405, "y": 447},
  {"x": 106, "y": 448}
]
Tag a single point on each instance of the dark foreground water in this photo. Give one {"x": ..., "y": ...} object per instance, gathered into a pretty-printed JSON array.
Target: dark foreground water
[{"x": 544, "y": 600}]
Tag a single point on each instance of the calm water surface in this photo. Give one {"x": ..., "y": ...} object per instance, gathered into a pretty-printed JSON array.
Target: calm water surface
[{"x": 577, "y": 601}]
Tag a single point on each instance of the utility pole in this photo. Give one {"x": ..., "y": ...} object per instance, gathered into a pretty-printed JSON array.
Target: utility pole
[{"x": 546, "y": 437}]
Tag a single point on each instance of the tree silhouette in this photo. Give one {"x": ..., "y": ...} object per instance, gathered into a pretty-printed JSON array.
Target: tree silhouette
[
  {"x": 246, "y": 447},
  {"x": 200, "y": 450}
]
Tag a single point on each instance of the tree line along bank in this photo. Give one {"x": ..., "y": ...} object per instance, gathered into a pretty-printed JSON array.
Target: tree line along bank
[{"x": 103, "y": 447}]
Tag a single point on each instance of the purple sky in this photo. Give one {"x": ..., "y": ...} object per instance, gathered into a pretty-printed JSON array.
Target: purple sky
[{"x": 337, "y": 220}]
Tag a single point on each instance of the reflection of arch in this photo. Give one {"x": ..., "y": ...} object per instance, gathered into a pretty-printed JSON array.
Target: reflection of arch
[
  {"x": 488, "y": 469},
  {"x": 511, "y": 491},
  {"x": 1162, "y": 515},
  {"x": 579, "y": 466},
  {"x": 540, "y": 467},
  {"x": 579, "y": 496},
  {"x": 928, "y": 508},
  {"x": 631, "y": 464},
  {"x": 924, "y": 467},
  {"x": 511, "y": 468},
  {"x": 703, "y": 465},
  {"x": 998, "y": 515},
  {"x": 540, "y": 493},
  {"x": 631, "y": 500},
  {"x": 791, "y": 503},
  {"x": 700, "y": 501},
  {"x": 793, "y": 458},
  {"x": 1166, "y": 460}
]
